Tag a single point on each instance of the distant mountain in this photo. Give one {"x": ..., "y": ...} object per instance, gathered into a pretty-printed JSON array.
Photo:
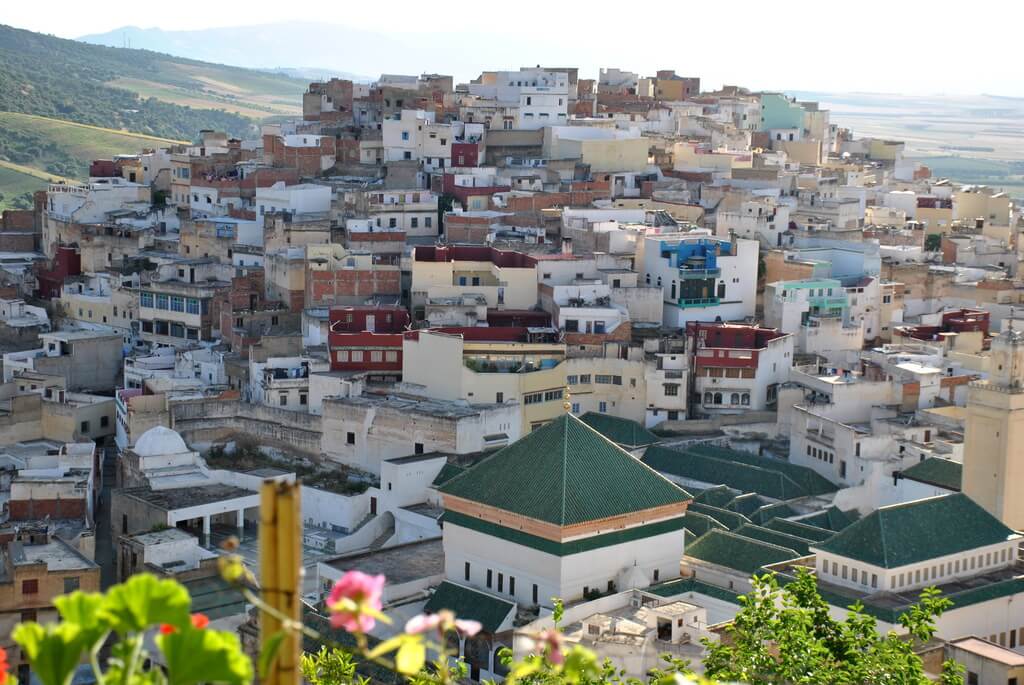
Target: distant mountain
[
  {"x": 345, "y": 50},
  {"x": 314, "y": 74},
  {"x": 47, "y": 81}
]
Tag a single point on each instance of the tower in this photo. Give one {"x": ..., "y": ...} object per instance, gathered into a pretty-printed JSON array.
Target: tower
[{"x": 994, "y": 433}]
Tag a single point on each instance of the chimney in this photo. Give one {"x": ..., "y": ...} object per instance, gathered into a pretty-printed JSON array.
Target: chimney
[{"x": 566, "y": 246}]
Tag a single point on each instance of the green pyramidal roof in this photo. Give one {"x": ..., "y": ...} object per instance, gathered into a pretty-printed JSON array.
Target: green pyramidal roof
[
  {"x": 565, "y": 473},
  {"x": 625, "y": 432},
  {"x": 916, "y": 531}
]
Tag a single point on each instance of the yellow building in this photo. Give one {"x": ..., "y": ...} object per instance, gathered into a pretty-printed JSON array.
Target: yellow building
[
  {"x": 980, "y": 202},
  {"x": 503, "y": 369},
  {"x": 994, "y": 433},
  {"x": 505, "y": 279}
]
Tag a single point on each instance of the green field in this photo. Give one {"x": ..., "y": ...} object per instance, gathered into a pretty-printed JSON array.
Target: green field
[
  {"x": 14, "y": 184},
  {"x": 56, "y": 147}
]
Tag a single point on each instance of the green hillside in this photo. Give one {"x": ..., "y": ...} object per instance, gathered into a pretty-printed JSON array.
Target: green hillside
[{"x": 52, "y": 90}]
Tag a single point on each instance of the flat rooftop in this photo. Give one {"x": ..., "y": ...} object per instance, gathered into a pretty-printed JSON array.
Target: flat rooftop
[
  {"x": 989, "y": 650},
  {"x": 182, "y": 498},
  {"x": 401, "y": 564},
  {"x": 437, "y": 408}
]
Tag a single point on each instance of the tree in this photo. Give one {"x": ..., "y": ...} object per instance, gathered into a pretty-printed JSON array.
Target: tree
[
  {"x": 786, "y": 635},
  {"x": 933, "y": 242}
]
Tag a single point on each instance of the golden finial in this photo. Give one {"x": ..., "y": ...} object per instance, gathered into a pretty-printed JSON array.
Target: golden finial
[{"x": 567, "y": 405}]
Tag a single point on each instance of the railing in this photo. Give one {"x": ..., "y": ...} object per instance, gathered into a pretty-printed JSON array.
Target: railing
[
  {"x": 698, "y": 302},
  {"x": 689, "y": 274}
]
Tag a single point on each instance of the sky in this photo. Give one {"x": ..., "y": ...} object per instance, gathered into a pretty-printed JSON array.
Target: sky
[{"x": 891, "y": 46}]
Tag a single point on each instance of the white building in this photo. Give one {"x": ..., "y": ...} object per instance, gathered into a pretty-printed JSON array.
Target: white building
[
  {"x": 541, "y": 95},
  {"x": 704, "y": 278},
  {"x": 303, "y": 198}
]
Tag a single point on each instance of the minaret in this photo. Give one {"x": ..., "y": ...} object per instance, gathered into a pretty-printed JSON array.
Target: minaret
[{"x": 994, "y": 437}]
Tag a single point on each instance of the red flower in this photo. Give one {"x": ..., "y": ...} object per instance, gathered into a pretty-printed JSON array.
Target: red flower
[
  {"x": 3, "y": 666},
  {"x": 200, "y": 621},
  {"x": 167, "y": 629}
]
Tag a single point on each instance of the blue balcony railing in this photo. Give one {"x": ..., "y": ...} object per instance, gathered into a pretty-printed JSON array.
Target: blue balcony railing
[{"x": 698, "y": 302}]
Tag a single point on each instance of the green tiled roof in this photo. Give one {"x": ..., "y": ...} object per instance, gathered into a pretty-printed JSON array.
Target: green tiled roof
[
  {"x": 471, "y": 604},
  {"x": 564, "y": 548},
  {"x": 717, "y": 496},
  {"x": 799, "y": 529},
  {"x": 943, "y": 473},
  {"x": 698, "y": 524},
  {"x": 770, "y": 478},
  {"x": 215, "y": 597},
  {"x": 809, "y": 479},
  {"x": 737, "y": 552},
  {"x": 624, "y": 432},
  {"x": 775, "y": 537},
  {"x": 681, "y": 586},
  {"x": 913, "y": 532},
  {"x": 832, "y": 518},
  {"x": 745, "y": 504},
  {"x": 565, "y": 473},
  {"x": 770, "y": 511},
  {"x": 447, "y": 472},
  {"x": 729, "y": 519}
]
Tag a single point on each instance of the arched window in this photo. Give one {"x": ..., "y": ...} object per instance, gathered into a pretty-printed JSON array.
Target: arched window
[
  {"x": 734, "y": 398},
  {"x": 718, "y": 398},
  {"x": 708, "y": 398},
  {"x": 659, "y": 281},
  {"x": 745, "y": 399},
  {"x": 648, "y": 279}
]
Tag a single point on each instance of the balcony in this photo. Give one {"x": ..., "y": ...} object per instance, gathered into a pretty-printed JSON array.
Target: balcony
[
  {"x": 687, "y": 303},
  {"x": 827, "y": 302},
  {"x": 701, "y": 274}
]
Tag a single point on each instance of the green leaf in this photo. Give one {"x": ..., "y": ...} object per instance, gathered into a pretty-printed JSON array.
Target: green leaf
[
  {"x": 54, "y": 652},
  {"x": 83, "y": 610},
  {"x": 410, "y": 657},
  {"x": 144, "y": 602},
  {"x": 387, "y": 646},
  {"x": 207, "y": 656},
  {"x": 269, "y": 652}
]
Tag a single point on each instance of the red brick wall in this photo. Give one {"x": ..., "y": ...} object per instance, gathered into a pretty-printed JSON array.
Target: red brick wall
[
  {"x": 17, "y": 220},
  {"x": 26, "y": 510},
  {"x": 324, "y": 288},
  {"x": 306, "y": 160},
  {"x": 17, "y": 242}
]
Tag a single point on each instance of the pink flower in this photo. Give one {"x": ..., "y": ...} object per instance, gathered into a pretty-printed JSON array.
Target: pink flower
[
  {"x": 552, "y": 640},
  {"x": 442, "y": 622},
  {"x": 354, "y": 600}
]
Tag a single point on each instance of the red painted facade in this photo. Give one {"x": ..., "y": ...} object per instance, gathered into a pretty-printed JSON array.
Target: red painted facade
[
  {"x": 353, "y": 319},
  {"x": 717, "y": 344},
  {"x": 66, "y": 262},
  {"x": 465, "y": 154}
]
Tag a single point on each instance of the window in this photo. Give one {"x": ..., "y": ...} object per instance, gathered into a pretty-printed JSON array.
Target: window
[
  {"x": 104, "y": 421},
  {"x": 350, "y": 438},
  {"x": 535, "y": 592},
  {"x": 414, "y": 222},
  {"x": 162, "y": 301},
  {"x": 745, "y": 399},
  {"x": 499, "y": 398},
  {"x": 392, "y": 222},
  {"x": 656, "y": 575},
  {"x": 192, "y": 305},
  {"x": 357, "y": 355},
  {"x": 671, "y": 389},
  {"x": 418, "y": 448},
  {"x": 584, "y": 379},
  {"x": 734, "y": 398},
  {"x": 146, "y": 299},
  {"x": 303, "y": 398},
  {"x": 341, "y": 355},
  {"x": 709, "y": 398},
  {"x": 391, "y": 356},
  {"x": 512, "y": 585},
  {"x": 427, "y": 221},
  {"x": 718, "y": 398},
  {"x": 84, "y": 427},
  {"x": 602, "y": 407},
  {"x": 282, "y": 399},
  {"x": 71, "y": 584},
  {"x": 603, "y": 379},
  {"x": 489, "y": 572},
  {"x": 501, "y": 582},
  {"x": 376, "y": 356},
  {"x": 177, "y": 304},
  {"x": 30, "y": 586},
  {"x": 405, "y": 135},
  {"x": 466, "y": 571},
  {"x": 571, "y": 380}
]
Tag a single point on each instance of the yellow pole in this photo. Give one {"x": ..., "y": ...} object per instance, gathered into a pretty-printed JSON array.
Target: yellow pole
[{"x": 280, "y": 565}]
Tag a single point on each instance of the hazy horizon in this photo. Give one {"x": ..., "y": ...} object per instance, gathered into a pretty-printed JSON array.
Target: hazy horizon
[{"x": 879, "y": 48}]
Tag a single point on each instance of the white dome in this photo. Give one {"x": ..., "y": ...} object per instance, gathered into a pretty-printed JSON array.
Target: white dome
[{"x": 160, "y": 440}]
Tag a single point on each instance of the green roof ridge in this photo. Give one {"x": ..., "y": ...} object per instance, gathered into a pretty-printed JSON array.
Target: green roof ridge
[{"x": 565, "y": 473}]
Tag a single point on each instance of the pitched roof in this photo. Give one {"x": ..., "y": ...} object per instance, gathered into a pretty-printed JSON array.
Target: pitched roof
[
  {"x": 774, "y": 537},
  {"x": 802, "y": 530},
  {"x": 624, "y": 432},
  {"x": 913, "y": 532},
  {"x": 697, "y": 523},
  {"x": 832, "y": 518},
  {"x": 942, "y": 473},
  {"x": 470, "y": 604},
  {"x": 718, "y": 496},
  {"x": 746, "y": 504},
  {"x": 447, "y": 472},
  {"x": 770, "y": 478},
  {"x": 565, "y": 473},
  {"x": 770, "y": 511},
  {"x": 680, "y": 586},
  {"x": 729, "y": 519},
  {"x": 737, "y": 552}
]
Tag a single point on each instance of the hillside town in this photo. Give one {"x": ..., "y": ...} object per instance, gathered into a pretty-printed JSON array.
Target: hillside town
[{"x": 616, "y": 341}]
